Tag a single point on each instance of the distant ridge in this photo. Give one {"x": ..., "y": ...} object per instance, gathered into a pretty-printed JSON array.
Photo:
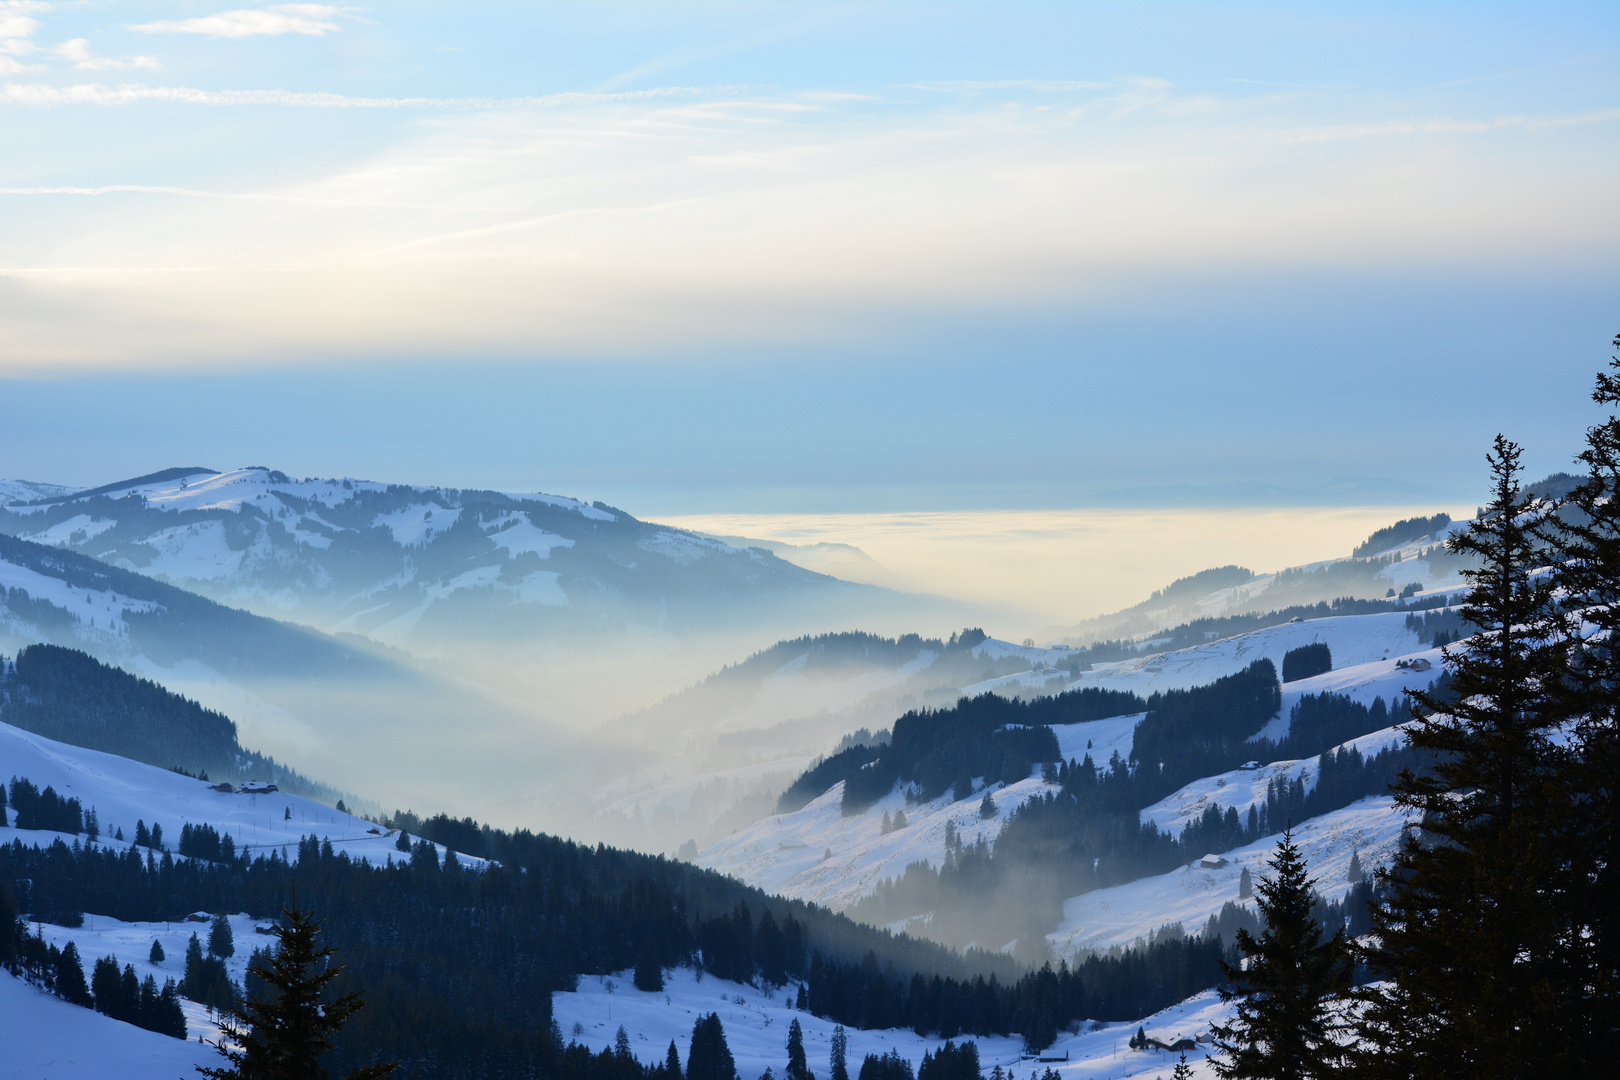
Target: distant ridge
[{"x": 150, "y": 478}]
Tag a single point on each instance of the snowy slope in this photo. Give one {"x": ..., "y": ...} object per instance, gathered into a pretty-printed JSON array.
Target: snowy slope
[
  {"x": 785, "y": 854},
  {"x": 1360, "y": 682},
  {"x": 131, "y": 943},
  {"x": 123, "y": 792},
  {"x": 1353, "y": 639},
  {"x": 756, "y": 1026},
  {"x": 28, "y": 490},
  {"x": 1190, "y": 895},
  {"x": 45, "y": 1038},
  {"x": 392, "y": 560},
  {"x": 1241, "y": 788}
]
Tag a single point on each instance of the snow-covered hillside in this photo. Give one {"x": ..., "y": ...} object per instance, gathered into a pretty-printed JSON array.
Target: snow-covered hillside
[
  {"x": 123, "y": 792},
  {"x": 788, "y": 853},
  {"x": 756, "y": 1025},
  {"x": 1353, "y": 639},
  {"x": 818, "y": 854},
  {"x": 17, "y": 491},
  {"x": 403, "y": 563},
  {"x": 45, "y": 1038},
  {"x": 1242, "y": 788},
  {"x": 1189, "y": 896}
]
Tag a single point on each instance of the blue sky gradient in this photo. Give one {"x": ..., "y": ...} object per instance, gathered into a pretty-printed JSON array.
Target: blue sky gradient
[{"x": 810, "y": 257}]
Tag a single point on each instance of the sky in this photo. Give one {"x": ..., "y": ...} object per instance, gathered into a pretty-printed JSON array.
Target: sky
[{"x": 811, "y": 258}]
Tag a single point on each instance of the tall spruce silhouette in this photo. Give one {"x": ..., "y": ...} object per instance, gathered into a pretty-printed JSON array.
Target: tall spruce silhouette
[
  {"x": 1286, "y": 1026},
  {"x": 285, "y": 1037},
  {"x": 1467, "y": 937},
  {"x": 797, "y": 1067},
  {"x": 1585, "y": 538},
  {"x": 709, "y": 1058}
]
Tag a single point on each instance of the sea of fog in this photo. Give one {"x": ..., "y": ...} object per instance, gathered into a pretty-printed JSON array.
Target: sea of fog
[{"x": 1058, "y": 566}]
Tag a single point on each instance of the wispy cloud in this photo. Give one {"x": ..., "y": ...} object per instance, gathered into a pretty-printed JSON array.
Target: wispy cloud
[
  {"x": 1440, "y": 126},
  {"x": 313, "y": 20},
  {"x": 16, "y": 36},
  {"x": 77, "y": 52},
  {"x": 719, "y": 214},
  {"x": 17, "y": 28},
  {"x": 129, "y": 93}
]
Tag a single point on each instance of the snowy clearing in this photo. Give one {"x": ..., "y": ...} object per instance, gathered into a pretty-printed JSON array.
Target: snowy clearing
[{"x": 1190, "y": 895}]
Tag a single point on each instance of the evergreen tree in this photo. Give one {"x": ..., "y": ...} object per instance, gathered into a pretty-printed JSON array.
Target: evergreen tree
[
  {"x": 987, "y": 807},
  {"x": 171, "y": 1018},
  {"x": 156, "y": 955},
  {"x": 403, "y": 843},
  {"x": 1355, "y": 875},
  {"x": 70, "y": 984},
  {"x": 194, "y": 958},
  {"x": 649, "y": 974},
  {"x": 798, "y": 1068},
  {"x": 1469, "y": 930},
  {"x": 129, "y": 994},
  {"x": 2, "y": 806},
  {"x": 1585, "y": 538},
  {"x": 672, "y": 1062},
  {"x": 220, "y": 941},
  {"x": 1284, "y": 1028},
  {"x": 285, "y": 1036},
  {"x": 621, "y": 1044},
  {"x": 1245, "y": 884},
  {"x": 104, "y": 988},
  {"x": 1183, "y": 1071},
  {"x": 710, "y": 1057},
  {"x": 837, "y": 1067}
]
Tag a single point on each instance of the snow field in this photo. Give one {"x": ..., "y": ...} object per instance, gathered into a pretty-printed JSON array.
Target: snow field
[
  {"x": 1190, "y": 895},
  {"x": 784, "y": 854},
  {"x": 756, "y": 1025},
  {"x": 100, "y": 609},
  {"x": 45, "y": 1038},
  {"x": 415, "y": 525},
  {"x": 131, "y": 943},
  {"x": 1244, "y": 787},
  {"x": 1354, "y": 640},
  {"x": 123, "y": 792},
  {"x": 518, "y": 535},
  {"x": 1106, "y": 737}
]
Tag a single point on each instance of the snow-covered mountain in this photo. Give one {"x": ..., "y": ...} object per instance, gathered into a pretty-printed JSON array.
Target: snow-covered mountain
[
  {"x": 322, "y": 704},
  {"x": 415, "y": 565},
  {"x": 22, "y": 491},
  {"x": 45, "y": 1036},
  {"x": 827, "y": 854}
]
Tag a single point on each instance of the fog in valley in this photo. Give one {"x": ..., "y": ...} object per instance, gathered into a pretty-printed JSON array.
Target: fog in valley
[{"x": 545, "y": 663}]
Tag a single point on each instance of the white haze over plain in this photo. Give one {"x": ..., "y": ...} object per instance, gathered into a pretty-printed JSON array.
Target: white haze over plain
[{"x": 1062, "y": 566}]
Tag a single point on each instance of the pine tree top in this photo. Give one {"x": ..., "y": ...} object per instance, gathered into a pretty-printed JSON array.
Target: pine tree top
[{"x": 284, "y": 1037}]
